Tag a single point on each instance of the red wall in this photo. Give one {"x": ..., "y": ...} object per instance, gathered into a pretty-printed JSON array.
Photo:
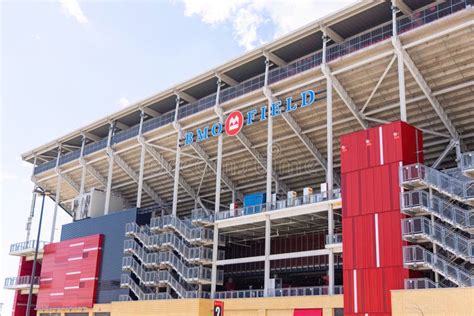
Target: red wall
[
  {"x": 21, "y": 300},
  {"x": 69, "y": 273},
  {"x": 371, "y": 204}
]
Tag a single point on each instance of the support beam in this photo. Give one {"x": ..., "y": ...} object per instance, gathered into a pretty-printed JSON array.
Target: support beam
[
  {"x": 268, "y": 239},
  {"x": 220, "y": 144},
  {"x": 142, "y": 162},
  {"x": 57, "y": 196},
  {"x": 296, "y": 128},
  {"x": 70, "y": 182},
  {"x": 121, "y": 125},
  {"x": 403, "y": 7},
  {"x": 186, "y": 97},
  {"x": 91, "y": 136},
  {"x": 400, "y": 68},
  {"x": 269, "y": 142},
  {"x": 169, "y": 169},
  {"x": 225, "y": 78},
  {"x": 110, "y": 158},
  {"x": 132, "y": 174},
  {"x": 213, "y": 166},
  {"x": 426, "y": 89},
  {"x": 451, "y": 145},
  {"x": 150, "y": 111},
  {"x": 274, "y": 59},
  {"x": 332, "y": 34},
  {"x": 344, "y": 96},
  {"x": 379, "y": 82},
  {"x": 215, "y": 251}
]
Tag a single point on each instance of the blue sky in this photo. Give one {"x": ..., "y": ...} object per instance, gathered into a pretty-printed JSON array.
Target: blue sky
[{"x": 66, "y": 63}]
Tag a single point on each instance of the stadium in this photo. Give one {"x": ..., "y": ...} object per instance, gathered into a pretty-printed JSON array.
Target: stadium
[{"x": 329, "y": 172}]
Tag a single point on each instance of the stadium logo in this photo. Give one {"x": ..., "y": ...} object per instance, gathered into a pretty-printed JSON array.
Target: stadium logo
[
  {"x": 234, "y": 123},
  {"x": 236, "y": 120}
]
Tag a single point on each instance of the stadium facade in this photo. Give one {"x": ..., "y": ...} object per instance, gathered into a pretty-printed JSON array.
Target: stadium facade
[{"x": 328, "y": 172}]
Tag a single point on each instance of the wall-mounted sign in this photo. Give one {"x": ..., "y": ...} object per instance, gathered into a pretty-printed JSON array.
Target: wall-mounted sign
[
  {"x": 218, "y": 308},
  {"x": 236, "y": 120}
]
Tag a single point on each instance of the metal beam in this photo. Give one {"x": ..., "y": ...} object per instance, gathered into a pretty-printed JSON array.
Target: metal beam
[
  {"x": 225, "y": 78},
  {"x": 121, "y": 125},
  {"x": 70, "y": 181},
  {"x": 344, "y": 96},
  {"x": 213, "y": 166},
  {"x": 169, "y": 169},
  {"x": 186, "y": 97},
  {"x": 274, "y": 59},
  {"x": 445, "y": 152},
  {"x": 379, "y": 82},
  {"x": 132, "y": 174},
  {"x": 296, "y": 128},
  {"x": 403, "y": 7},
  {"x": 91, "y": 136},
  {"x": 426, "y": 89},
  {"x": 150, "y": 112},
  {"x": 332, "y": 34}
]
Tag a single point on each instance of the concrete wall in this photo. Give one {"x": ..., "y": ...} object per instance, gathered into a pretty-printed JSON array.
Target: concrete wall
[
  {"x": 234, "y": 307},
  {"x": 452, "y": 301}
]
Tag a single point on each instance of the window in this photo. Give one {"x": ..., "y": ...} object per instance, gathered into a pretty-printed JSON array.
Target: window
[
  {"x": 76, "y": 314},
  {"x": 102, "y": 314}
]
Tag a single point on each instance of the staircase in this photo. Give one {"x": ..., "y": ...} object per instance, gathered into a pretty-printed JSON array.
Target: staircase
[
  {"x": 172, "y": 253},
  {"x": 443, "y": 219},
  {"x": 418, "y": 258},
  {"x": 421, "y": 229}
]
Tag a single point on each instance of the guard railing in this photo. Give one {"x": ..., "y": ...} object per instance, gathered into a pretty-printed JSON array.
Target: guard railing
[
  {"x": 278, "y": 205},
  {"x": 418, "y": 257},
  {"x": 419, "y": 283},
  {"x": 20, "y": 282},
  {"x": 25, "y": 245},
  {"x": 415, "y": 227},
  {"x": 419, "y": 174},
  {"x": 416, "y": 202}
]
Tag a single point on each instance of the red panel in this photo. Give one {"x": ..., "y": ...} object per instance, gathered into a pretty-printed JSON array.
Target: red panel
[
  {"x": 72, "y": 267},
  {"x": 308, "y": 312},
  {"x": 370, "y": 185}
]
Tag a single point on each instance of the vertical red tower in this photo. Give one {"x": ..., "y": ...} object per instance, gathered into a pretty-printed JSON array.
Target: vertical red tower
[{"x": 371, "y": 217}]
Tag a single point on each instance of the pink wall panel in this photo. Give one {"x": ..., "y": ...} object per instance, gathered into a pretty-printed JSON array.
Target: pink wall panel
[{"x": 70, "y": 264}]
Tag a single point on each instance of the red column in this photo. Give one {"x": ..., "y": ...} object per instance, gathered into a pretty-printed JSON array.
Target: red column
[{"x": 371, "y": 217}]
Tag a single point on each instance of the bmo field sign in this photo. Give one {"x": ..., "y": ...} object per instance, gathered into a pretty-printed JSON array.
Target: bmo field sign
[{"x": 236, "y": 120}]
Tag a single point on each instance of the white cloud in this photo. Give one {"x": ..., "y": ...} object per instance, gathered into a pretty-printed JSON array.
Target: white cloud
[
  {"x": 123, "y": 102},
  {"x": 248, "y": 16},
  {"x": 72, "y": 8}
]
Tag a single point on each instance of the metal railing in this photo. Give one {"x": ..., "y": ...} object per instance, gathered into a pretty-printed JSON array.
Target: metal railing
[
  {"x": 333, "y": 239},
  {"x": 420, "y": 174},
  {"x": 278, "y": 205},
  {"x": 419, "y": 283},
  {"x": 417, "y": 256},
  {"x": 294, "y": 291},
  {"x": 20, "y": 282},
  {"x": 467, "y": 162},
  {"x": 446, "y": 238},
  {"x": 200, "y": 216},
  {"x": 413, "y": 202},
  {"x": 193, "y": 234},
  {"x": 355, "y": 43},
  {"x": 24, "y": 245}
]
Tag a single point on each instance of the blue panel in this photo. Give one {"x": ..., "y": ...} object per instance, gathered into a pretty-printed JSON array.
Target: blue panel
[{"x": 112, "y": 226}]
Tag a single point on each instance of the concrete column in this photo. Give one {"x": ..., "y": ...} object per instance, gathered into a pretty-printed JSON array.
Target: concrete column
[
  {"x": 57, "y": 196},
  {"x": 83, "y": 177},
  {"x": 269, "y": 138},
  {"x": 330, "y": 165},
  {"x": 108, "y": 192},
  {"x": 177, "y": 159},
  {"x": 33, "y": 204},
  {"x": 142, "y": 161},
  {"x": 401, "y": 73},
  {"x": 220, "y": 140},
  {"x": 215, "y": 252},
  {"x": 267, "y": 255}
]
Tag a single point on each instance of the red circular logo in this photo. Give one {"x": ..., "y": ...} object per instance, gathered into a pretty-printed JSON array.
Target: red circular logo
[{"x": 234, "y": 123}]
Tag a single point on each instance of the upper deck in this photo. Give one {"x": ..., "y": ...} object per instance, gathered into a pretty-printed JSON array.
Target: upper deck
[{"x": 439, "y": 39}]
